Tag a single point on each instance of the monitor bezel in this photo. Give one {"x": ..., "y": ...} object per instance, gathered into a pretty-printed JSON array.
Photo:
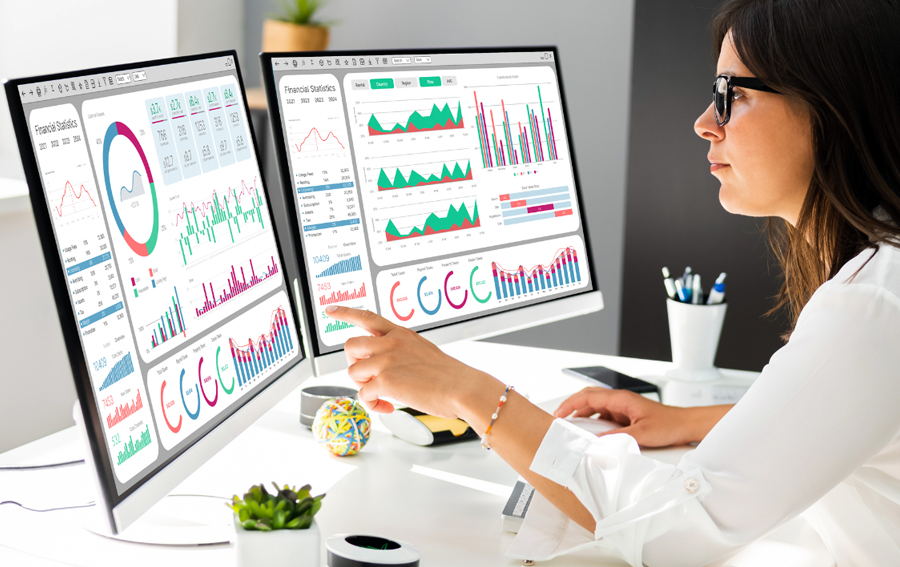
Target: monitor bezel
[
  {"x": 505, "y": 321},
  {"x": 90, "y": 418}
]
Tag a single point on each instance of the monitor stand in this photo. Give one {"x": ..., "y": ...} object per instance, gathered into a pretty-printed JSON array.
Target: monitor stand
[{"x": 179, "y": 520}]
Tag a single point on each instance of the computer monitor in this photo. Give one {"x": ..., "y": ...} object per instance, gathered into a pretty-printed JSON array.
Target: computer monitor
[
  {"x": 437, "y": 188},
  {"x": 164, "y": 264}
]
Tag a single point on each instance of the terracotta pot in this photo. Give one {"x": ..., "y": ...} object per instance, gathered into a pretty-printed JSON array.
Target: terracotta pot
[{"x": 282, "y": 36}]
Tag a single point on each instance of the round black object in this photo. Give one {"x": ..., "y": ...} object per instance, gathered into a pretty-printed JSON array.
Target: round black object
[{"x": 371, "y": 542}]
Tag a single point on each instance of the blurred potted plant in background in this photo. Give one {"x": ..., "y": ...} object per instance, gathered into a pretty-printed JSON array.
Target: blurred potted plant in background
[
  {"x": 276, "y": 529},
  {"x": 295, "y": 28}
]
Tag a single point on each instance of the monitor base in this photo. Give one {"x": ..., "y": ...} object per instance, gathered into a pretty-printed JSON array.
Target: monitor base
[{"x": 180, "y": 520}]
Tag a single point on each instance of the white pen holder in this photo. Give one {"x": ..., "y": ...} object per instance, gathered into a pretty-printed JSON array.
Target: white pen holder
[{"x": 694, "y": 332}]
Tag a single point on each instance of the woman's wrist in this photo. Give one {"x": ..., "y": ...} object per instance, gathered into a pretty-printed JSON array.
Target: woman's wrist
[{"x": 476, "y": 397}]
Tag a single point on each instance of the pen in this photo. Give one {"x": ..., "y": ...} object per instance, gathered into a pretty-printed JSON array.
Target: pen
[
  {"x": 680, "y": 290},
  {"x": 686, "y": 279},
  {"x": 717, "y": 294},
  {"x": 697, "y": 292},
  {"x": 669, "y": 283}
]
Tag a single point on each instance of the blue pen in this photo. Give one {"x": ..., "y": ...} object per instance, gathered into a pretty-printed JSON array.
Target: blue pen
[{"x": 717, "y": 294}]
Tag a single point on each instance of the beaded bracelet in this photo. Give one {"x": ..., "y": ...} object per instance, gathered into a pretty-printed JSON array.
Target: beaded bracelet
[{"x": 484, "y": 442}]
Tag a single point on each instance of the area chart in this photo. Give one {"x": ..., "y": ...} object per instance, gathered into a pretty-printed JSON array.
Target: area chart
[
  {"x": 416, "y": 179},
  {"x": 456, "y": 219},
  {"x": 438, "y": 119}
]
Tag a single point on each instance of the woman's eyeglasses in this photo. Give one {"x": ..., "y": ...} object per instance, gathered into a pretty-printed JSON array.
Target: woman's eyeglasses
[{"x": 723, "y": 94}]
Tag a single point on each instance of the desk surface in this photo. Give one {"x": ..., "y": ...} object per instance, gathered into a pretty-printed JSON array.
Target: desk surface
[{"x": 444, "y": 500}]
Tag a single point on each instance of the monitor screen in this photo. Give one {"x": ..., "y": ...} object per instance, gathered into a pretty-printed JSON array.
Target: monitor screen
[
  {"x": 431, "y": 188},
  {"x": 157, "y": 215}
]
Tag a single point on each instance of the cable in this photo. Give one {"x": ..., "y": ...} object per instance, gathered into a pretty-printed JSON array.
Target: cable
[
  {"x": 33, "y": 467},
  {"x": 88, "y": 505}
]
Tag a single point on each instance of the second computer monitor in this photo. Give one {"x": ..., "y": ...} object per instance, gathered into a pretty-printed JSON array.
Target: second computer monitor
[{"x": 437, "y": 189}]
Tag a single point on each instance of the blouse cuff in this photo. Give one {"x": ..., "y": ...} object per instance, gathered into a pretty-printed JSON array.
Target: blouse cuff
[{"x": 561, "y": 451}]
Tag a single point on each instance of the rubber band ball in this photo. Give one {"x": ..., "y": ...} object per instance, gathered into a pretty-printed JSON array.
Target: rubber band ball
[{"x": 342, "y": 426}]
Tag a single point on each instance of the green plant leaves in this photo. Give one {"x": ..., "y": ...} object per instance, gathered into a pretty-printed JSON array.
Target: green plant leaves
[{"x": 288, "y": 508}]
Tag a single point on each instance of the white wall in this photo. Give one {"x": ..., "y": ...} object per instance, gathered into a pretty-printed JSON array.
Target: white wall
[{"x": 37, "y": 38}]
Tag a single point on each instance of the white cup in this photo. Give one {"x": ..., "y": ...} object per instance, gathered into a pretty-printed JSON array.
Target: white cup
[{"x": 694, "y": 332}]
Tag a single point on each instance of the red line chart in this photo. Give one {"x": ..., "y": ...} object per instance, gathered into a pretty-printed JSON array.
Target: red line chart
[
  {"x": 82, "y": 191},
  {"x": 318, "y": 138}
]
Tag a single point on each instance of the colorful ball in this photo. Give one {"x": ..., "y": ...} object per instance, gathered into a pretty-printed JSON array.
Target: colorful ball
[{"x": 342, "y": 426}]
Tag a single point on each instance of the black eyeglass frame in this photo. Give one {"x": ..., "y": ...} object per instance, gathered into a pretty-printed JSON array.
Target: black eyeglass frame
[{"x": 722, "y": 101}]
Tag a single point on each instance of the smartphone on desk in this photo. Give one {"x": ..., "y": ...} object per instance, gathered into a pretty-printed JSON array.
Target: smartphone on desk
[{"x": 609, "y": 378}]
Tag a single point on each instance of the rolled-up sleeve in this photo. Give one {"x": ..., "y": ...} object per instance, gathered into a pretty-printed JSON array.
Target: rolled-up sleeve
[{"x": 826, "y": 403}]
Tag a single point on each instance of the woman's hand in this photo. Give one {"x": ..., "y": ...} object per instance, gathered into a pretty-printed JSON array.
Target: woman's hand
[
  {"x": 398, "y": 363},
  {"x": 651, "y": 423}
]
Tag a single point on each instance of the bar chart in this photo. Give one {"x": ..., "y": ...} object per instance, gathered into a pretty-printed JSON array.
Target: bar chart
[
  {"x": 170, "y": 324},
  {"x": 529, "y": 137},
  {"x": 562, "y": 271},
  {"x": 256, "y": 356},
  {"x": 198, "y": 222},
  {"x": 120, "y": 369},
  {"x": 352, "y": 264},
  {"x": 237, "y": 282}
]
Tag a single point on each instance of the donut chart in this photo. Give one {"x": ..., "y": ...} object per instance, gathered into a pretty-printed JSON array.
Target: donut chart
[
  {"x": 140, "y": 248},
  {"x": 419, "y": 297},
  {"x": 193, "y": 415}
]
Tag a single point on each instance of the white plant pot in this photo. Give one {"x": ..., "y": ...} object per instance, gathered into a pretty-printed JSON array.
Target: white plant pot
[{"x": 294, "y": 548}]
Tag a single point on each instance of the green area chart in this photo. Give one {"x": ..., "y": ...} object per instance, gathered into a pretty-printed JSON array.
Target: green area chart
[
  {"x": 416, "y": 179},
  {"x": 438, "y": 119},
  {"x": 456, "y": 219}
]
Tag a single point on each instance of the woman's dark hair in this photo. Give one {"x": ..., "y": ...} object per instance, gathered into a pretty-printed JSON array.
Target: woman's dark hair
[{"x": 840, "y": 60}]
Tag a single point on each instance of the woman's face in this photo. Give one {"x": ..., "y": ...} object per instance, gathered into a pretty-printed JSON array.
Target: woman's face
[{"x": 763, "y": 157}]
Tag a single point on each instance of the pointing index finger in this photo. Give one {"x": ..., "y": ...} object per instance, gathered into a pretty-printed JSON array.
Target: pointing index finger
[{"x": 371, "y": 322}]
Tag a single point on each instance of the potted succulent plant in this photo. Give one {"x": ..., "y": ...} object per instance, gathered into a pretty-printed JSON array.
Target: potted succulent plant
[
  {"x": 295, "y": 29},
  {"x": 277, "y": 529}
]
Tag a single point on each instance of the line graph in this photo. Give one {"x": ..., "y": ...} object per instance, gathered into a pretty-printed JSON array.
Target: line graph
[
  {"x": 79, "y": 201},
  {"x": 318, "y": 138}
]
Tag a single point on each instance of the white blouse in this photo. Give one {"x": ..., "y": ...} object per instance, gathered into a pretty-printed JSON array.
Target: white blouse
[{"x": 816, "y": 433}]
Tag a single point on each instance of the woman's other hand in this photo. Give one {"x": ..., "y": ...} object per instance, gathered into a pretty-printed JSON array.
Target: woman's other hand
[{"x": 651, "y": 423}]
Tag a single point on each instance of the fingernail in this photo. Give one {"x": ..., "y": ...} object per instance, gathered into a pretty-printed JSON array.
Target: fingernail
[{"x": 331, "y": 309}]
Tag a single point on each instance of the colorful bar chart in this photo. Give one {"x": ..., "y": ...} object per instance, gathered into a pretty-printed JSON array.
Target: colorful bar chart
[
  {"x": 455, "y": 219},
  {"x": 438, "y": 119},
  {"x": 535, "y": 205},
  {"x": 535, "y": 138},
  {"x": 256, "y": 356},
  {"x": 416, "y": 179},
  {"x": 171, "y": 323},
  {"x": 562, "y": 270},
  {"x": 120, "y": 369},
  {"x": 199, "y": 221},
  {"x": 352, "y": 264},
  {"x": 341, "y": 296},
  {"x": 236, "y": 284}
]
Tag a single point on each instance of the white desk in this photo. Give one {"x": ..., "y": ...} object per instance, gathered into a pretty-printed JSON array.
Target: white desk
[{"x": 444, "y": 500}]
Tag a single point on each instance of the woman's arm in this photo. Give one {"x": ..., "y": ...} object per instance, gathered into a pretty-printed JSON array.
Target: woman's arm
[{"x": 398, "y": 363}]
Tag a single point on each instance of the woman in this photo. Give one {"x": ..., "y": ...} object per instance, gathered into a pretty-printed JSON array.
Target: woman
[{"x": 804, "y": 128}]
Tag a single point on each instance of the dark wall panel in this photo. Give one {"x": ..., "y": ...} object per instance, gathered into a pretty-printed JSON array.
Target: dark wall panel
[{"x": 673, "y": 216}]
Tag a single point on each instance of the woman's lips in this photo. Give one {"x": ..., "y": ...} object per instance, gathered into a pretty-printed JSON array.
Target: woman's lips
[{"x": 717, "y": 166}]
